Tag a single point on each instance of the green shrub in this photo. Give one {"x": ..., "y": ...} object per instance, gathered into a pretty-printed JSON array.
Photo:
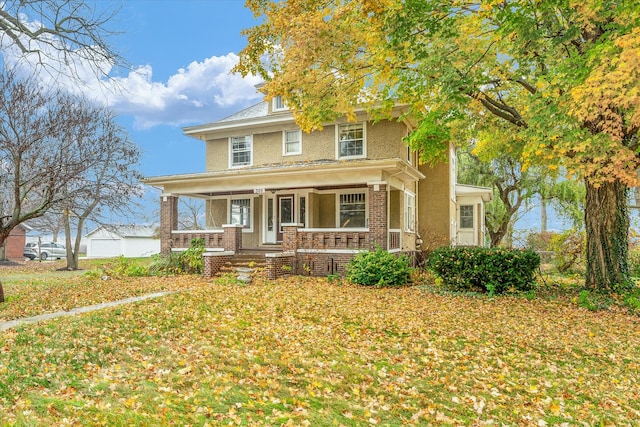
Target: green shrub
[
  {"x": 379, "y": 268},
  {"x": 166, "y": 265},
  {"x": 594, "y": 301},
  {"x": 191, "y": 260},
  {"x": 485, "y": 270},
  {"x": 569, "y": 250}
]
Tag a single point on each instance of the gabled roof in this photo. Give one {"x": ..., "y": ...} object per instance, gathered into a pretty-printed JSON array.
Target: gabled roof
[
  {"x": 474, "y": 190},
  {"x": 130, "y": 230},
  {"x": 253, "y": 112}
]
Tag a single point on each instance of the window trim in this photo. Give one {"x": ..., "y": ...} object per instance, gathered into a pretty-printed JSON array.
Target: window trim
[
  {"x": 248, "y": 229},
  {"x": 364, "y": 140},
  {"x": 274, "y": 102},
  {"x": 284, "y": 142},
  {"x": 250, "y": 141},
  {"x": 339, "y": 210},
  {"x": 409, "y": 217},
  {"x": 472, "y": 208}
]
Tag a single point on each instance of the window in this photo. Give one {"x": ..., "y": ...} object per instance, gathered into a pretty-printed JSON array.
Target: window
[
  {"x": 303, "y": 210},
  {"x": 241, "y": 212},
  {"x": 409, "y": 211},
  {"x": 292, "y": 143},
  {"x": 278, "y": 104},
  {"x": 466, "y": 216},
  {"x": 351, "y": 141},
  {"x": 352, "y": 210},
  {"x": 240, "y": 149}
]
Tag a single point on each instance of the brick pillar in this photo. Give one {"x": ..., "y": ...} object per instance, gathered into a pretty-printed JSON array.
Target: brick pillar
[
  {"x": 232, "y": 237},
  {"x": 290, "y": 237},
  {"x": 378, "y": 223},
  {"x": 168, "y": 221}
]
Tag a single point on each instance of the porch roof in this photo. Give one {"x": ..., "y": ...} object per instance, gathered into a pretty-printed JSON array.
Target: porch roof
[{"x": 288, "y": 176}]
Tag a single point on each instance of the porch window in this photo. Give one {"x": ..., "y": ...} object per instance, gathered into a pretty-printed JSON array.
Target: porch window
[
  {"x": 409, "y": 211},
  {"x": 292, "y": 143},
  {"x": 466, "y": 216},
  {"x": 353, "y": 210},
  {"x": 303, "y": 210},
  {"x": 240, "y": 148},
  {"x": 241, "y": 212},
  {"x": 351, "y": 140}
]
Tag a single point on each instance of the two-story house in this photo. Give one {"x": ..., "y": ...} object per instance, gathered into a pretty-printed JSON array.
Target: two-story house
[{"x": 321, "y": 196}]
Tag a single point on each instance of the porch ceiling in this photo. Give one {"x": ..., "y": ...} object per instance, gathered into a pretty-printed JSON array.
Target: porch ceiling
[{"x": 298, "y": 175}]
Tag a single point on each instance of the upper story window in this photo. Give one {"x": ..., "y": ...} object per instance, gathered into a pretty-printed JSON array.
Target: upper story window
[
  {"x": 351, "y": 140},
  {"x": 240, "y": 150},
  {"x": 292, "y": 142},
  {"x": 278, "y": 104}
]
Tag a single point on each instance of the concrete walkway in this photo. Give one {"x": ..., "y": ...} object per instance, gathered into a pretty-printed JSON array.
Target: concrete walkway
[{"x": 27, "y": 320}]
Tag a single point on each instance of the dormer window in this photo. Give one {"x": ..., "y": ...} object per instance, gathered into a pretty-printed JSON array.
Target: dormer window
[{"x": 278, "y": 104}]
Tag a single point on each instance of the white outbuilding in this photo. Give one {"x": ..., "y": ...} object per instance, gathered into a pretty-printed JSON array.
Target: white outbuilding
[{"x": 131, "y": 241}]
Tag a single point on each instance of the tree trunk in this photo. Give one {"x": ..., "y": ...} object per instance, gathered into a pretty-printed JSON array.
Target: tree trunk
[
  {"x": 1, "y": 292},
  {"x": 607, "y": 226},
  {"x": 543, "y": 215}
]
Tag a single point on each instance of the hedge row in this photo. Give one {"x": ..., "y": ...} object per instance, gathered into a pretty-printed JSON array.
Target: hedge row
[{"x": 493, "y": 270}]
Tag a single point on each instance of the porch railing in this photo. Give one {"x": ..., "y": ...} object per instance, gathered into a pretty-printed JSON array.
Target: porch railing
[
  {"x": 212, "y": 238},
  {"x": 394, "y": 239},
  {"x": 332, "y": 238}
]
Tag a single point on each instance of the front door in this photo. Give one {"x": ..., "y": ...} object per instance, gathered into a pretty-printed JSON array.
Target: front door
[
  {"x": 270, "y": 215},
  {"x": 285, "y": 212}
]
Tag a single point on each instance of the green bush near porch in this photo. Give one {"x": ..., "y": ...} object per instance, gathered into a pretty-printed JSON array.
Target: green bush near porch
[
  {"x": 379, "y": 268},
  {"x": 493, "y": 270}
]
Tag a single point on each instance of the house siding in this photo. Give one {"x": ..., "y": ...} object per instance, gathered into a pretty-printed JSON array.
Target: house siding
[
  {"x": 435, "y": 205},
  {"x": 384, "y": 140},
  {"x": 216, "y": 213}
]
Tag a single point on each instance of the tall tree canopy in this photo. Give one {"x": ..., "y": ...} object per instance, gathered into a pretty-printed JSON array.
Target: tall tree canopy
[{"x": 562, "y": 75}]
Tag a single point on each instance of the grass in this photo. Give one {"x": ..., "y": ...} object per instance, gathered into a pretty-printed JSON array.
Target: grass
[{"x": 304, "y": 351}]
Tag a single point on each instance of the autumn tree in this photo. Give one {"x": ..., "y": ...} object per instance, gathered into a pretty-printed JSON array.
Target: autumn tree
[
  {"x": 109, "y": 182},
  {"x": 38, "y": 130},
  {"x": 564, "y": 76}
]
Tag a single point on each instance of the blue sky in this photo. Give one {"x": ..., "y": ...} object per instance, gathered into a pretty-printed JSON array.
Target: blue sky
[{"x": 184, "y": 48}]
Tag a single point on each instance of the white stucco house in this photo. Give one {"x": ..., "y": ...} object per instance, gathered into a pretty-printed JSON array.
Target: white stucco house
[{"x": 131, "y": 241}]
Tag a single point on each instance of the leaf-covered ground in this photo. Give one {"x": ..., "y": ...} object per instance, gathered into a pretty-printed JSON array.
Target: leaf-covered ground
[{"x": 308, "y": 352}]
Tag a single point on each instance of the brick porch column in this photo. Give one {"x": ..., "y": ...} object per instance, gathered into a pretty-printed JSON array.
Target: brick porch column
[
  {"x": 232, "y": 237},
  {"x": 290, "y": 237},
  {"x": 168, "y": 221},
  {"x": 378, "y": 223}
]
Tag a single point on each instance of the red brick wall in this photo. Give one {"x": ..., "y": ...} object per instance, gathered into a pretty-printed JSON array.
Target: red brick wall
[
  {"x": 15, "y": 244},
  {"x": 378, "y": 216},
  {"x": 168, "y": 222},
  {"x": 213, "y": 262}
]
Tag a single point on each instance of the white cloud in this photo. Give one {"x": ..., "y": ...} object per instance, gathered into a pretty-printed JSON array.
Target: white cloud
[{"x": 201, "y": 92}]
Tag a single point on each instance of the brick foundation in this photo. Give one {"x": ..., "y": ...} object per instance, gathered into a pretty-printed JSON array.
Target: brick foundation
[
  {"x": 214, "y": 261},
  {"x": 280, "y": 264}
]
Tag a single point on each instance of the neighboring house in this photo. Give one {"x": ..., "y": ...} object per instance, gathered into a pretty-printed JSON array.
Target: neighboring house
[
  {"x": 15, "y": 242},
  {"x": 131, "y": 241},
  {"x": 321, "y": 196}
]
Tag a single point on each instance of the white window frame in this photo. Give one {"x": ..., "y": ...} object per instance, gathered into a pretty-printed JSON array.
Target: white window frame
[
  {"x": 245, "y": 229},
  {"x": 284, "y": 142},
  {"x": 473, "y": 214},
  {"x": 364, "y": 140},
  {"x": 249, "y": 140},
  {"x": 278, "y": 104},
  {"x": 409, "y": 212},
  {"x": 339, "y": 210}
]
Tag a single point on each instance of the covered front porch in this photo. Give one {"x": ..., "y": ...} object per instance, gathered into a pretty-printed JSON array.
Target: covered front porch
[{"x": 330, "y": 207}]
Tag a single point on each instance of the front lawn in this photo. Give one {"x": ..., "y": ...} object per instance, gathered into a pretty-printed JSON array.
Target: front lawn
[{"x": 309, "y": 352}]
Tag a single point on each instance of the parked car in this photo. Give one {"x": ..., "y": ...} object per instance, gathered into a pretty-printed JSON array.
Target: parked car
[{"x": 45, "y": 251}]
